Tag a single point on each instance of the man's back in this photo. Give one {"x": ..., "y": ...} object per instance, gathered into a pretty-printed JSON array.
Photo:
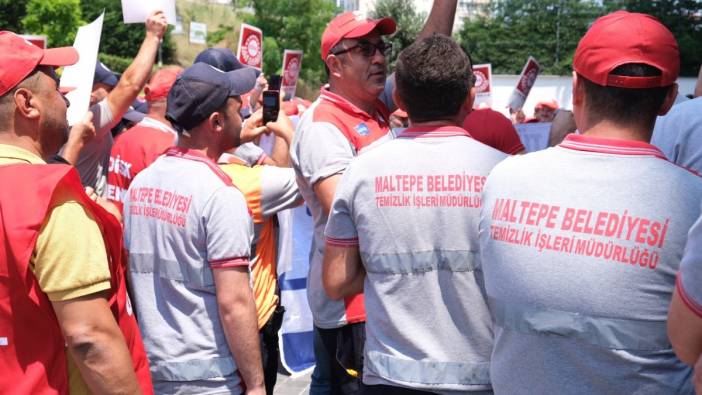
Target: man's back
[
  {"x": 679, "y": 134},
  {"x": 183, "y": 218},
  {"x": 581, "y": 244},
  {"x": 416, "y": 215}
]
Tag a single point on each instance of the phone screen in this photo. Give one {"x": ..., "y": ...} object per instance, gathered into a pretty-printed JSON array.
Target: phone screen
[{"x": 270, "y": 100}]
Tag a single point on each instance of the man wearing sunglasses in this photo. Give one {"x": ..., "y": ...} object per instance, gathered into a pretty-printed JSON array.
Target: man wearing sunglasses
[{"x": 351, "y": 115}]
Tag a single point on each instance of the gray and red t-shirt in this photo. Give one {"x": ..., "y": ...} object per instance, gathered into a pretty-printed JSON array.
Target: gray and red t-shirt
[
  {"x": 580, "y": 246},
  {"x": 183, "y": 219},
  {"x": 415, "y": 221},
  {"x": 133, "y": 151},
  {"x": 331, "y": 133},
  {"x": 690, "y": 275}
]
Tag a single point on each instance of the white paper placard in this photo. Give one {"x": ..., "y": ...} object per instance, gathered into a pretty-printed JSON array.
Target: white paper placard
[
  {"x": 136, "y": 11},
  {"x": 79, "y": 76},
  {"x": 198, "y": 33}
]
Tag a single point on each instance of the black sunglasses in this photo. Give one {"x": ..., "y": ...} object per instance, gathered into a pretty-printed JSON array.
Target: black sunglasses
[{"x": 368, "y": 49}]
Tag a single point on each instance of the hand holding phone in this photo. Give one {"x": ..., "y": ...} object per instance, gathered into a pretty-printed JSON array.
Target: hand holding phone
[{"x": 271, "y": 105}]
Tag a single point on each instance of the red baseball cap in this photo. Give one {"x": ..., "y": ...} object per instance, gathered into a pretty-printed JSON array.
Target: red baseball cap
[
  {"x": 20, "y": 57},
  {"x": 161, "y": 82},
  {"x": 623, "y": 38},
  {"x": 353, "y": 25}
]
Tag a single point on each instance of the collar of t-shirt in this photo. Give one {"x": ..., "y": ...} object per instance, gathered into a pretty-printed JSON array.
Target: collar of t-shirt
[
  {"x": 197, "y": 156},
  {"x": 11, "y": 153},
  {"x": 156, "y": 124},
  {"x": 582, "y": 142},
  {"x": 433, "y": 132},
  {"x": 382, "y": 114}
]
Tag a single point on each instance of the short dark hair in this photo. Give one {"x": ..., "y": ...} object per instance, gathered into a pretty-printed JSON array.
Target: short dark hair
[
  {"x": 626, "y": 106},
  {"x": 433, "y": 77}
]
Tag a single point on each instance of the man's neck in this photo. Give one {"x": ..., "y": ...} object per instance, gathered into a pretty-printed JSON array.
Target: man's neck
[
  {"x": 363, "y": 103},
  {"x": 24, "y": 142},
  {"x": 159, "y": 116},
  {"x": 192, "y": 144},
  {"x": 611, "y": 130}
]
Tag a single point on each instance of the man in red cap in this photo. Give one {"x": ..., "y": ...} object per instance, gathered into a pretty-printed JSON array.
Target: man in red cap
[
  {"x": 581, "y": 242},
  {"x": 66, "y": 322},
  {"x": 139, "y": 146},
  {"x": 351, "y": 115}
]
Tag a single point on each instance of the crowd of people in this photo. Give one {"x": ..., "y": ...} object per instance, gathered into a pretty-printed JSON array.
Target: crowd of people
[{"x": 139, "y": 245}]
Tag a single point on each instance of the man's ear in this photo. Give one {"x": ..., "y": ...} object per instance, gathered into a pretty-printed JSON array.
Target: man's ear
[
  {"x": 578, "y": 90},
  {"x": 334, "y": 65},
  {"x": 26, "y": 104},
  {"x": 669, "y": 99},
  {"x": 470, "y": 100},
  {"x": 215, "y": 122}
]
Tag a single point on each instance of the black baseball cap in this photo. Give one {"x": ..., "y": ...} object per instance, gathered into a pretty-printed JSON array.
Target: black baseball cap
[
  {"x": 203, "y": 89},
  {"x": 221, "y": 58}
]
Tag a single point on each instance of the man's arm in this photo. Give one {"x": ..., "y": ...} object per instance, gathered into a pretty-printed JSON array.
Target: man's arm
[
  {"x": 97, "y": 344},
  {"x": 237, "y": 313},
  {"x": 440, "y": 20},
  {"x": 342, "y": 271},
  {"x": 135, "y": 76},
  {"x": 325, "y": 189},
  {"x": 698, "y": 85},
  {"x": 79, "y": 135},
  {"x": 684, "y": 329}
]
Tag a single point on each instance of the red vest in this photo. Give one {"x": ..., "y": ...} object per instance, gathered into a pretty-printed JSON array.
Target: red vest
[{"x": 32, "y": 348}]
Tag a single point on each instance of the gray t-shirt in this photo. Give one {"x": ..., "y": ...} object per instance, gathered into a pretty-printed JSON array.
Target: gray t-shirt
[
  {"x": 580, "y": 245},
  {"x": 415, "y": 219},
  {"x": 320, "y": 149},
  {"x": 679, "y": 134},
  {"x": 184, "y": 219},
  {"x": 95, "y": 156},
  {"x": 690, "y": 275},
  {"x": 250, "y": 153}
]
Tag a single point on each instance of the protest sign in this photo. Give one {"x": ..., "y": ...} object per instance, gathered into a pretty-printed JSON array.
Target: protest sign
[
  {"x": 250, "y": 51},
  {"x": 198, "y": 33},
  {"x": 483, "y": 84},
  {"x": 39, "y": 41},
  {"x": 136, "y": 11},
  {"x": 534, "y": 136},
  {"x": 526, "y": 80},
  {"x": 292, "y": 61},
  {"x": 79, "y": 77}
]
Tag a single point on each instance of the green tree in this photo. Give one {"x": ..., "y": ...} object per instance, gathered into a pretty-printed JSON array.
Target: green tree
[
  {"x": 120, "y": 42},
  {"x": 57, "y": 19},
  {"x": 548, "y": 30},
  {"x": 293, "y": 24},
  {"x": 409, "y": 24},
  {"x": 683, "y": 18},
  {"x": 12, "y": 13}
]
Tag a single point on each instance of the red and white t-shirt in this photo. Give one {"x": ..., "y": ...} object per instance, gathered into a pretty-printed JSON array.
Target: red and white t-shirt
[{"x": 133, "y": 151}]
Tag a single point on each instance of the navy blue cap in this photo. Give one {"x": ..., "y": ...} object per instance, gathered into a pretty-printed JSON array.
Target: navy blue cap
[
  {"x": 104, "y": 75},
  {"x": 221, "y": 58},
  {"x": 203, "y": 89}
]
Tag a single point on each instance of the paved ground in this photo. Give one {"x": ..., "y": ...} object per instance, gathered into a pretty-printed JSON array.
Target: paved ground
[{"x": 289, "y": 386}]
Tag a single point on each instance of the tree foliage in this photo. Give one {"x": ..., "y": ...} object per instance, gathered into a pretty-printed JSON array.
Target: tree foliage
[
  {"x": 409, "y": 24},
  {"x": 120, "y": 40},
  {"x": 550, "y": 31},
  {"x": 292, "y": 24},
  {"x": 57, "y": 19},
  {"x": 12, "y": 13}
]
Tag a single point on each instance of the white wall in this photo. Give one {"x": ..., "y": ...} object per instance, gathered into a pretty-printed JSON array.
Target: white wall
[{"x": 549, "y": 87}]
